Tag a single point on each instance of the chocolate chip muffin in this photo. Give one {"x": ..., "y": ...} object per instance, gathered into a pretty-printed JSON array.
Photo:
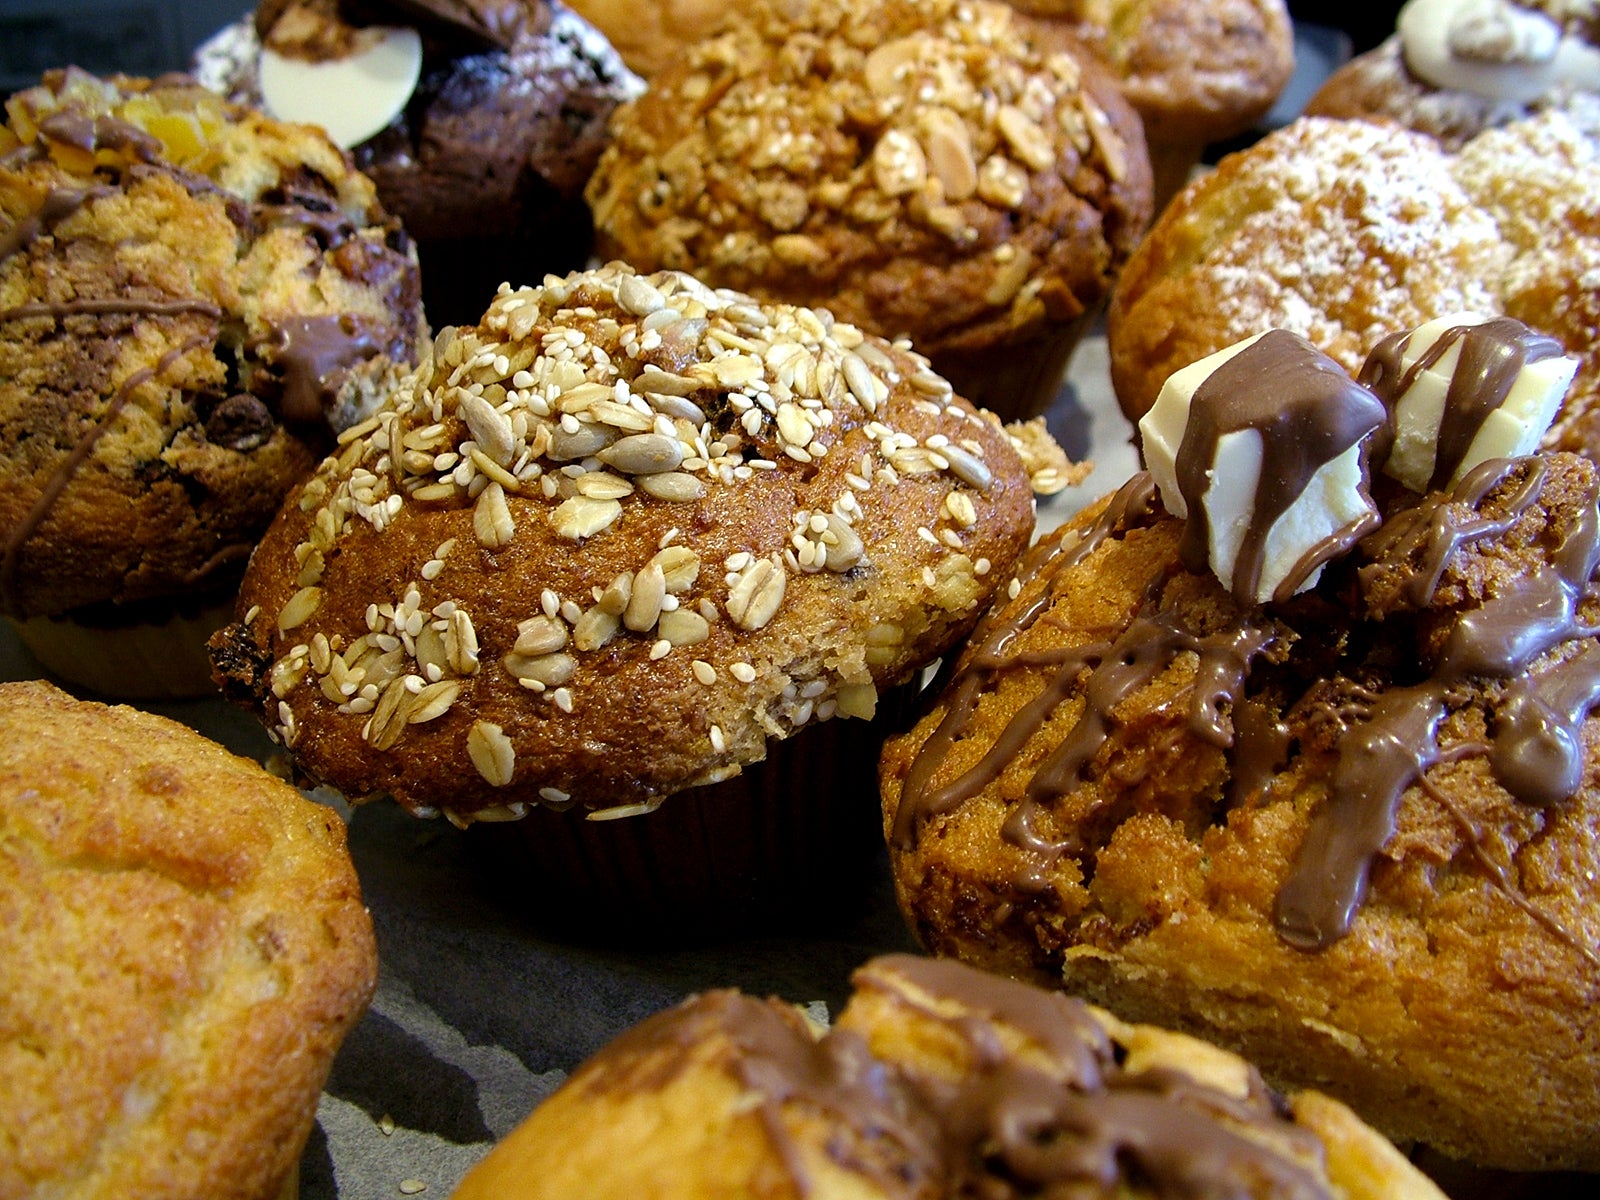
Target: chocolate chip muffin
[
  {"x": 615, "y": 544},
  {"x": 192, "y": 299},
  {"x": 1348, "y": 829},
  {"x": 922, "y": 168},
  {"x": 936, "y": 1081},
  {"x": 185, "y": 949},
  {"x": 485, "y": 158}
]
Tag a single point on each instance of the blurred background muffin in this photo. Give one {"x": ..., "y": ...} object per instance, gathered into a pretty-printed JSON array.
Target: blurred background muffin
[
  {"x": 611, "y": 548},
  {"x": 193, "y": 298},
  {"x": 1454, "y": 68},
  {"x": 184, "y": 950},
  {"x": 1198, "y": 72},
  {"x": 923, "y": 168},
  {"x": 484, "y": 122}
]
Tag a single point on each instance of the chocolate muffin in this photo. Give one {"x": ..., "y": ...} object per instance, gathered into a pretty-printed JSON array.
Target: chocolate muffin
[
  {"x": 922, "y": 168},
  {"x": 936, "y": 1081},
  {"x": 613, "y": 545},
  {"x": 184, "y": 950},
  {"x": 484, "y": 160},
  {"x": 193, "y": 298},
  {"x": 1348, "y": 830}
]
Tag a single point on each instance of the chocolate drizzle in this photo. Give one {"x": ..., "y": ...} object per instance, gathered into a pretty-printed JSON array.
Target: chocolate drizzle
[
  {"x": 1307, "y": 412},
  {"x": 1536, "y": 747},
  {"x": 10, "y": 555},
  {"x": 1492, "y": 355},
  {"x": 1010, "y": 1121},
  {"x": 316, "y": 353},
  {"x": 59, "y": 204}
]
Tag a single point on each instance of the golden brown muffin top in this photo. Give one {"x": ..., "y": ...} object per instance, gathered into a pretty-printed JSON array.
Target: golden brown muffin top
[
  {"x": 184, "y": 949},
  {"x": 190, "y": 295},
  {"x": 1343, "y": 231},
  {"x": 937, "y": 1081},
  {"x": 609, "y": 540},
  {"x": 920, "y": 167},
  {"x": 1194, "y": 806},
  {"x": 1197, "y": 72}
]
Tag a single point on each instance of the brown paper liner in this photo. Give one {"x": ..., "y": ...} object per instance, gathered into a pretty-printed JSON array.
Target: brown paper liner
[
  {"x": 1019, "y": 380},
  {"x": 790, "y": 841},
  {"x": 146, "y": 661},
  {"x": 1172, "y": 165}
]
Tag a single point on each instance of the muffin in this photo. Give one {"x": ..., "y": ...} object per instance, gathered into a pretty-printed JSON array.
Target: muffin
[
  {"x": 1345, "y": 230},
  {"x": 1347, "y": 830},
  {"x": 651, "y": 37},
  {"x": 1197, "y": 73},
  {"x": 185, "y": 948},
  {"x": 611, "y": 547},
  {"x": 1457, "y": 67},
  {"x": 192, "y": 299},
  {"x": 482, "y": 151},
  {"x": 922, "y": 168},
  {"x": 937, "y": 1080}
]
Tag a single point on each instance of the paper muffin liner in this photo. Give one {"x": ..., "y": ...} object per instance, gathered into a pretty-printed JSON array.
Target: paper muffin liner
[
  {"x": 154, "y": 660},
  {"x": 790, "y": 840},
  {"x": 1016, "y": 380}
]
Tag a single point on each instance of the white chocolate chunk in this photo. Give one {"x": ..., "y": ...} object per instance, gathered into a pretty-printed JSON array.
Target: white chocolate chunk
[
  {"x": 352, "y": 97},
  {"x": 1161, "y": 429},
  {"x": 1511, "y": 430},
  {"x": 1248, "y": 461},
  {"x": 1495, "y": 49}
]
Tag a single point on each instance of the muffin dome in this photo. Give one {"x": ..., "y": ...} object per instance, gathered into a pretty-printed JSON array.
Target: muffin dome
[
  {"x": 191, "y": 297},
  {"x": 610, "y": 540}
]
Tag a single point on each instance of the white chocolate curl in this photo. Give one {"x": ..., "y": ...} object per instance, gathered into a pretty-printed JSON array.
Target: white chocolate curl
[
  {"x": 1501, "y": 51},
  {"x": 352, "y": 97}
]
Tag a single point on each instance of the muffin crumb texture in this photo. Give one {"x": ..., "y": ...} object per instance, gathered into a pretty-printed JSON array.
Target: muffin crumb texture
[
  {"x": 920, "y": 167},
  {"x": 184, "y": 949},
  {"x": 610, "y": 540}
]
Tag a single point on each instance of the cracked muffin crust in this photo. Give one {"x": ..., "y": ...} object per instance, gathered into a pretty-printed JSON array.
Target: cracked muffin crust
[
  {"x": 1350, "y": 835},
  {"x": 922, "y": 168},
  {"x": 184, "y": 950},
  {"x": 191, "y": 296},
  {"x": 937, "y": 1080}
]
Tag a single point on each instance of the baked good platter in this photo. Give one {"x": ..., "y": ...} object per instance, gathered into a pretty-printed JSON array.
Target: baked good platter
[{"x": 478, "y": 1012}]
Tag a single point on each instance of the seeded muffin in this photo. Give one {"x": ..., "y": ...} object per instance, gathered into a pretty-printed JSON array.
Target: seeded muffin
[
  {"x": 1197, "y": 73},
  {"x": 937, "y": 1080},
  {"x": 922, "y": 168},
  {"x": 1457, "y": 67},
  {"x": 614, "y": 545},
  {"x": 185, "y": 948},
  {"x": 484, "y": 159},
  {"x": 1344, "y": 231},
  {"x": 1347, "y": 829},
  {"x": 192, "y": 298}
]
